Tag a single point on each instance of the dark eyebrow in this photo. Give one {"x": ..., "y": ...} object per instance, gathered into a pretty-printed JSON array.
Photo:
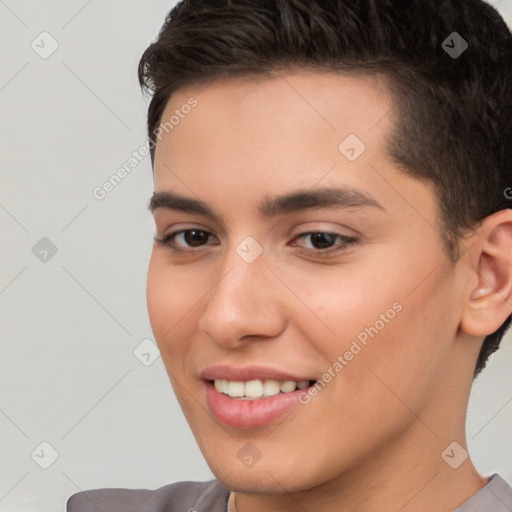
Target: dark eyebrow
[{"x": 296, "y": 201}]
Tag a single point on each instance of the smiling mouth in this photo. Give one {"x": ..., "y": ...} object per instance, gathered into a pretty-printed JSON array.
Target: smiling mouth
[{"x": 257, "y": 388}]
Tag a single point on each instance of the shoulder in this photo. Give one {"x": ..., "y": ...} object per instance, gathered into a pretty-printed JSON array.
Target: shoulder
[
  {"x": 496, "y": 496},
  {"x": 180, "y": 496}
]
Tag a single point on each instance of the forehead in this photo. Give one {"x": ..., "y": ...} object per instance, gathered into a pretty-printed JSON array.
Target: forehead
[
  {"x": 324, "y": 100},
  {"x": 289, "y": 114}
]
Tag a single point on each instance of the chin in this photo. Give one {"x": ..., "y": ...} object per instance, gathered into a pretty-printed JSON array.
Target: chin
[
  {"x": 275, "y": 474},
  {"x": 263, "y": 481}
]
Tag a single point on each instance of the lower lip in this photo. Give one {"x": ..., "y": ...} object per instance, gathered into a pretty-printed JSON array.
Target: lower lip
[{"x": 248, "y": 414}]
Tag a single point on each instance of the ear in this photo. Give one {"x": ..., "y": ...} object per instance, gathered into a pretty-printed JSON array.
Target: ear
[{"x": 489, "y": 303}]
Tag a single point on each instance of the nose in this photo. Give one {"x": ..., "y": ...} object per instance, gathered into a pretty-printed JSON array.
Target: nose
[{"x": 244, "y": 304}]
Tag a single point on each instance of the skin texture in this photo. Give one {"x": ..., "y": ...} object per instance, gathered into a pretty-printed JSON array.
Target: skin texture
[{"x": 372, "y": 439}]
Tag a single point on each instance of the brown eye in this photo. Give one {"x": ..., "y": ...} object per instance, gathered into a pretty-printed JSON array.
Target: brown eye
[
  {"x": 195, "y": 237},
  {"x": 185, "y": 240},
  {"x": 322, "y": 242}
]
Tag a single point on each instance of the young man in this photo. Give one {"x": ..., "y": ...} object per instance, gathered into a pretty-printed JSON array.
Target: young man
[{"x": 333, "y": 254}]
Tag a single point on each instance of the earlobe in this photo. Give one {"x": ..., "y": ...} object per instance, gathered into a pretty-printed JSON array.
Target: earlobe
[{"x": 488, "y": 304}]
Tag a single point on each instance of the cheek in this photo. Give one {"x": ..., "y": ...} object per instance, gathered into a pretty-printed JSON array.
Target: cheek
[
  {"x": 170, "y": 301},
  {"x": 405, "y": 359},
  {"x": 159, "y": 301},
  {"x": 346, "y": 303},
  {"x": 385, "y": 318}
]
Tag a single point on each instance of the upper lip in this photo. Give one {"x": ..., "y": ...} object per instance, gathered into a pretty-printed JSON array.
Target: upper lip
[{"x": 247, "y": 373}]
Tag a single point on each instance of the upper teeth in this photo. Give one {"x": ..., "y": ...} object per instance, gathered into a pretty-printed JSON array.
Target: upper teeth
[{"x": 257, "y": 388}]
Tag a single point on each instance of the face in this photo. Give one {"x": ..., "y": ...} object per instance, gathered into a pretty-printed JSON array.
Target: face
[{"x": 298, "y": 292}]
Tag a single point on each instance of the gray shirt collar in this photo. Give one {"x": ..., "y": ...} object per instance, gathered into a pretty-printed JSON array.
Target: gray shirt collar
[{"x": 496, "y": 496}]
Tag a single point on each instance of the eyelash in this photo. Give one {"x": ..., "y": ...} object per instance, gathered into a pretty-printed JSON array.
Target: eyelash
[{"x": 347, "y": 243}]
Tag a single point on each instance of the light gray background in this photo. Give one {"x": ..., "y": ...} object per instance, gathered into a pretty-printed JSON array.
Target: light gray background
[{"x": 69, "y": 376}]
